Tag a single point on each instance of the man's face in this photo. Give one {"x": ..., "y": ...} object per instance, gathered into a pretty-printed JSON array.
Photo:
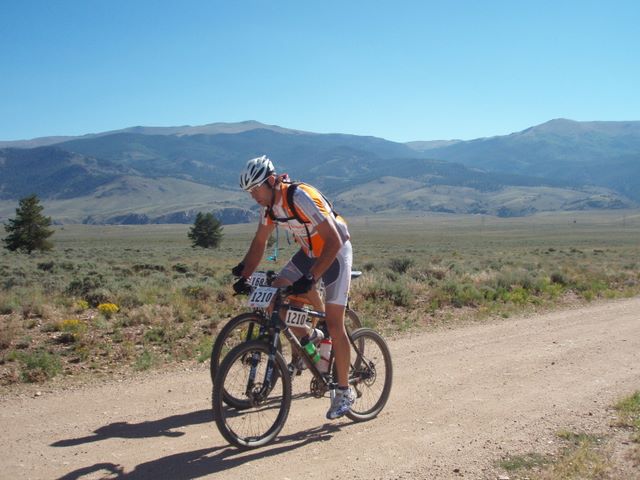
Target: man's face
[{"x": 262, "y": 193}]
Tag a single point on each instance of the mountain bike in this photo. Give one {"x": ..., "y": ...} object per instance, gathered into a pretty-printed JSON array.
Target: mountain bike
[
  {"x": 254, "y": 374},
  {"x": 246, "y": 326}
]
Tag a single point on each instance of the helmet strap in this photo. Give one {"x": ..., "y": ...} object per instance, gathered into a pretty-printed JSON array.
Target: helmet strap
[{"x": 273, "y": 192}]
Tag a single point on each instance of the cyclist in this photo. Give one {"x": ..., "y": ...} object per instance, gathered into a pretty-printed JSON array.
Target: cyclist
[{"x": 325, "y": 253}]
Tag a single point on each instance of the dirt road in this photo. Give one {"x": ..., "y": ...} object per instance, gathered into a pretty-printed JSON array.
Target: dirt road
[{"x": 461, "y": 399}]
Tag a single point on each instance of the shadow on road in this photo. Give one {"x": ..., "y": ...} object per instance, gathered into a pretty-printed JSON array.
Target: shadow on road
[
  {"x": 155, "y": 428},
  {"x": 207, "y": 461}
]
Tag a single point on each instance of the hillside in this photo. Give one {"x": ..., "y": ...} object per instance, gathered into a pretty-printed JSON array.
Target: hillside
[
  {"x": 588, "y": 153},
  {"x": 80, "y": 189},
  {"x": 166, "y": 174},
  {"x": 396, "y": 195},
  {"x": 138, "y": 200},
  {"x": 52, "y": 173},
  {"x": 209, "y": 129}
]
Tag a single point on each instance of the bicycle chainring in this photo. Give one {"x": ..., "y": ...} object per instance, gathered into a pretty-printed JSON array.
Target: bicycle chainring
[{"x": 318, "y": 388}]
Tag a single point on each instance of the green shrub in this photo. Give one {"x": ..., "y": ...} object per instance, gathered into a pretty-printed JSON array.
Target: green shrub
[
  {"x": 553, "y": 290},
  {"x": 369, "y": 266},
  {"x": 9, "y": 329},
  {"x": 46, "y": 266},
  {"x": 401, "y": 265},
  {"x": 519, "y": 296},
  {"x": 396, "y": 292},
  {"x": 489, "y": 293},
  {"x": 80, "y": 287},
  {"x": 146, "y": 360},
  {"x": 204, "y": 348},
  {"x": 98, "y": 296},
  {"x": 511, "y": 279},
  {"x": 559, "y": 278},
  {"x": 529, "y": 461},
  {"x": 197, "y": 292},
  {"x": 629, "y": 414},
  {"x": 180, "y": 268},
  {"x": 461, "y": 294},
  {"x": 146, "y": 268},
  {"x": 8, "y": 304},
  {"x": 391, "y": 275},
  {"x": 155, "y": 335},
  {"x": 39, "y": 366},
  {"x": 81, "y": 305}
]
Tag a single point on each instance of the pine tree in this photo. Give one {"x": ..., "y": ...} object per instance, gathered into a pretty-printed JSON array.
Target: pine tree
[
  {"x": 206, "y": 231},
  {"x": 28, "y": 231}
]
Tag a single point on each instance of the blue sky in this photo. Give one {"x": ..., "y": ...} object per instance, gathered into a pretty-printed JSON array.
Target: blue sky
[{"x": 401, "y": 70}]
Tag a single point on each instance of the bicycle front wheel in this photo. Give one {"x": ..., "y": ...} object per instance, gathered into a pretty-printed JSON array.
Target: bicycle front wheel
[
  {"x": 247, "y": 373},
  {"x": 370, "y": 375},
  {"x": 239, "y": 329}
]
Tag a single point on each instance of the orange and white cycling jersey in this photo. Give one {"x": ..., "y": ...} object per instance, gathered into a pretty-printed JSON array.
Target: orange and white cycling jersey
[{"x": 313, "y": 209}]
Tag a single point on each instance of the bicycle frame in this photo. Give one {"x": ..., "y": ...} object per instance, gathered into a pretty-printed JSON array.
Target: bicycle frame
[{"x": 272, "y": 329}]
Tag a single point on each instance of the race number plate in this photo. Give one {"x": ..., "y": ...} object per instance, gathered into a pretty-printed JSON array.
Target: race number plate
[
  {"x": 258, "y": 279},
  {"x": 296, "y": 318},
  {"x": 261, "y": 297}
]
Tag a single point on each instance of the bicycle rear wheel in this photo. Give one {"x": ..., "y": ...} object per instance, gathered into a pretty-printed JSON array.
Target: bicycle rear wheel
[
  {"x": 239, "y": 329},
  {"x": 371, "y": 374},
  {"x": 243, "y": 375}
]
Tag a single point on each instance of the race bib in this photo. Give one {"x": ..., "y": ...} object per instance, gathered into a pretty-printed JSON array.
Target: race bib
[
  {"x": 258, "y": 279},
  {"x": 261, "y": 297},
  {"x": 296, "y": 318}
]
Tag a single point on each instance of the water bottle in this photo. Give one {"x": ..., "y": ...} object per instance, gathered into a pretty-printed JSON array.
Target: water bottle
[
  {"x": 325, "y": 355},
  {"x": 309, "y": 344}
]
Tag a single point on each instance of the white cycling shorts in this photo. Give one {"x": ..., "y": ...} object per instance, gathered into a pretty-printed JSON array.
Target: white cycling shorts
[{"x": 337, "y": 278}]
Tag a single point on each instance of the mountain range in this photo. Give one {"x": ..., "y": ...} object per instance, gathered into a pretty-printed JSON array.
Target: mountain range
[{"x": 168, "y": 174}]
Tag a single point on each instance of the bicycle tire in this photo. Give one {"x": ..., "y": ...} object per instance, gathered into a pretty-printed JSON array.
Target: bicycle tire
[
  {"x": 234, "y": 424},
  {"x": 367, "y": 367},
  {"x": 222, "y": 344},
  {"x": 351, "y": 321}
]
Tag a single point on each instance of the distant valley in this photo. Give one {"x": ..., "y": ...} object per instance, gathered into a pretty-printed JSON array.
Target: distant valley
[{"x": 167, "y": 174}]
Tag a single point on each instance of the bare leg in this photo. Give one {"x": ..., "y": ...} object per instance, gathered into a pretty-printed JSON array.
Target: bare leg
[{"x": 341, "y": 348}]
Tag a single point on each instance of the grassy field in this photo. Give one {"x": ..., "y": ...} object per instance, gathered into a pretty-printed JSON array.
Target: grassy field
[
  {"x": 139, "y": 297},
  {"x": 613, "y": 453}
]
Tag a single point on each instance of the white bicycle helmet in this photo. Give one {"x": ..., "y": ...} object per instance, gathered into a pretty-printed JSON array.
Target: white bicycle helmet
[{"x": 256, "y": 171}]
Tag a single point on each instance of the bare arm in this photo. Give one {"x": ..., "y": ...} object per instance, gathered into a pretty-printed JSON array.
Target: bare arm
[
  {"x": 332, "y": 244},
  {"x": 256, "y": 250}
]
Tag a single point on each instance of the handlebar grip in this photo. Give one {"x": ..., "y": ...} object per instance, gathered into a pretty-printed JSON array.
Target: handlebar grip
[
  {"x": 288, "y": 290},
  {"x": 241, "y": 287}
]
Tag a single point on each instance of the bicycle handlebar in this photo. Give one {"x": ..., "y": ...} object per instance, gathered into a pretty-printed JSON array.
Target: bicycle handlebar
[{"x": 243, "y": 287}]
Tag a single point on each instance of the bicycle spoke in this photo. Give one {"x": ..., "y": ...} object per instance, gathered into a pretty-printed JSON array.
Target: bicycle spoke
[
  {"x": 371, "y": 374},
  {"x": 264, "y": 410}
]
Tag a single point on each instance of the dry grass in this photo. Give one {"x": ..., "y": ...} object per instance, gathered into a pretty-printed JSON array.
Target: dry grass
[
  {"x": 143, "y": 297},
  {"x": 587, "y": 457}
]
